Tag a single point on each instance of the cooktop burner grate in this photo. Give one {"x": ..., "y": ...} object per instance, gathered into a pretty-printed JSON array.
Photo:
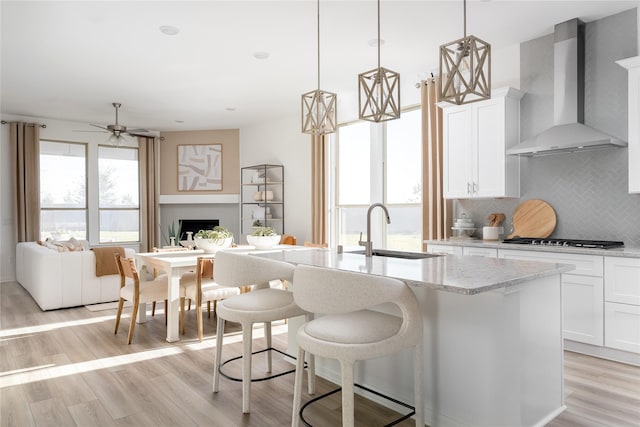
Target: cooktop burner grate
[{"x": 592, "y": 244}]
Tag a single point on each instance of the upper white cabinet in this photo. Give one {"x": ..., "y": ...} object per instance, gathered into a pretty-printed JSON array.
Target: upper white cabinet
[
  {"x": 475, "y": 138},
  {"x": 633, "y": 65}
]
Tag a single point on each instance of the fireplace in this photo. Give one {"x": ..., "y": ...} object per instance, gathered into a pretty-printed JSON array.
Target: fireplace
[{"x": 195, "y": 225}]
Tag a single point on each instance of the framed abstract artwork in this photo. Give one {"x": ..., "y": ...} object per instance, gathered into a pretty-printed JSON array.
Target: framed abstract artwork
[{"x": 200, "y": 167}]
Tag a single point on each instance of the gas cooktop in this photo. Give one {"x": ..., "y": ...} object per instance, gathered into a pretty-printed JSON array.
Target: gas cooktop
[{"x": 591, "y": 244}]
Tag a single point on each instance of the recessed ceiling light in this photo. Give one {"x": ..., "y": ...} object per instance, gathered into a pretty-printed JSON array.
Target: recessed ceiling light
[
  {"x": 179, "y": 121},
  {"x": 261, "y": 55},
  {"x": 230, "y": 108},
  {"x": 169, "y": 30},
  {"x": 374, "y": 42}
]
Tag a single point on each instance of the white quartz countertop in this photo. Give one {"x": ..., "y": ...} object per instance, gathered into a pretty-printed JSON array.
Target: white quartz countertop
[
  {"x": 629, "y": 252},
  {"x": 464, "y": 275}
]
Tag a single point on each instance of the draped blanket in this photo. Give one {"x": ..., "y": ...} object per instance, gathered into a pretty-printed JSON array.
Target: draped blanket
[{"x": 106, "y": 261}]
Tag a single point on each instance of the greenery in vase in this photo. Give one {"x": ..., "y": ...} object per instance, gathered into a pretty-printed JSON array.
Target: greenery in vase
[
  {"x": 264, "y": 231},
  {"x": 257, "y": 223},
  {"x": 218, "y": 234},
  {"x": 172, "y": 232}
]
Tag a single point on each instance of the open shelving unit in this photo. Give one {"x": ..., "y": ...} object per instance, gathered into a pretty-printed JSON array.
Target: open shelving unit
[{"x": 262, "y": 197}]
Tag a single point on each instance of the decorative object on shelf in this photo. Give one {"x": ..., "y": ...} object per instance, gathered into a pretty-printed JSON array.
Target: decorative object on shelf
[
  {"x": 200, "y": 167},
  {"x": 465, "y": 69},
  {"x": 263, "y": 238},
  {"x": 267, "y": 195},
  {"x": 259, "y": 177},
  {"x": 319, "y": 108},
  {"x": 379, "y": 91},
  {"x": 212, "y": 240}
]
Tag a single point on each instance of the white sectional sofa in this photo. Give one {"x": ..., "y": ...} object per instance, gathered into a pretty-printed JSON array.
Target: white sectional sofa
[{"x": 63, "y": 279}]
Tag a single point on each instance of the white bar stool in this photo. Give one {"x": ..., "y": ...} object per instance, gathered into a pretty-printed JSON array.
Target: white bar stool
[
  {"x": 262, "y": 305},
  {"x": 349, "y": 331}
]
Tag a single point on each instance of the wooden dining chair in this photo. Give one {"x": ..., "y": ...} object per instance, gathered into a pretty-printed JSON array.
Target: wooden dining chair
[
  {"x": 200, "y": 287},
  {"x": 137, "y": 291},
  {"x": 157, "y": 273},
  {"x": 288, "y": 239}
]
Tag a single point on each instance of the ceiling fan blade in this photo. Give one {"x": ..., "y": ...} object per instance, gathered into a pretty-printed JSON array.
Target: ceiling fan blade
[
  {"x": 96, "y": 131},
  {"x": 139, "y": 134},
  {"x": 138, "y": 130},
  {"x": 98, "y": 126}
]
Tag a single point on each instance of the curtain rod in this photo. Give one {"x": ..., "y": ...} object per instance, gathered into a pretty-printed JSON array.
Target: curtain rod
[{"x": 28, "y": 124}]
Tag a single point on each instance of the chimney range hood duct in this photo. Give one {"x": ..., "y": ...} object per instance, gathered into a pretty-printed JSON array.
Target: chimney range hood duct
[{"x": 569, "y": 133}]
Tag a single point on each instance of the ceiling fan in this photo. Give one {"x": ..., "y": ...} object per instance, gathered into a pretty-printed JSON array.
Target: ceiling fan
[{"x": 118, "y": 131}]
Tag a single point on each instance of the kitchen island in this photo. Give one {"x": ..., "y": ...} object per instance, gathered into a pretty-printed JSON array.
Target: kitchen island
[{"x": 492, "y": 333}]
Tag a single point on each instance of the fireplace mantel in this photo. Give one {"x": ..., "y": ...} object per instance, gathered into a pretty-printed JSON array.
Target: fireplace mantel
[{"x": 193, "y": 199}]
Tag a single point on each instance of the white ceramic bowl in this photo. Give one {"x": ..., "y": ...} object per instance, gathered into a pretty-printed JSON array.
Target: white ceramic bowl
[
  {"x": 211, "y": 245},
  {"x": 263, "y": 242}
]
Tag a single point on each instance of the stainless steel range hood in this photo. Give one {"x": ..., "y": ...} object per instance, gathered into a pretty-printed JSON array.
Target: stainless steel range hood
[{"x": 569, "y": 133}]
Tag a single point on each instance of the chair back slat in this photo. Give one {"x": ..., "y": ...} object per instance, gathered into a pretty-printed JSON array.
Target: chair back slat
[{"x": 205, "y": 267}]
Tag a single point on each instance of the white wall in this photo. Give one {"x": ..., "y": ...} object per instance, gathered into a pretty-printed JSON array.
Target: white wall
[{"x": 281, "y": 142}]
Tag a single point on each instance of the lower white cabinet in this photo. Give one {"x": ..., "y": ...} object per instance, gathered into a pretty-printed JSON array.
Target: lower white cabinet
[
  {"x": 582, "y": 292},
  {"x": 622, "y": 326},
  {"x": 622, "y": 303}
]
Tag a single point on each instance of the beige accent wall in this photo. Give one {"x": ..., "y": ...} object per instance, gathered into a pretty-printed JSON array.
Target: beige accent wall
[{"x": 230, "y": 140}]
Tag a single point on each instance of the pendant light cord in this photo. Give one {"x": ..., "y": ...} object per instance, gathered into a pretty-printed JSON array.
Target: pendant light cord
[
  {"x": 378, "y": 41},
  {"x": 318, "y": 44},
  {"x": 465, "y": 19}
]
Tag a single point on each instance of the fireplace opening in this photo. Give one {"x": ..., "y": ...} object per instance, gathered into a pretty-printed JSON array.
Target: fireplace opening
[{"x": 195, "y": 225}]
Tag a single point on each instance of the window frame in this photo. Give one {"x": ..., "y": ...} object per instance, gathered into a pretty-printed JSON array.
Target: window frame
[
  {"x": 100, "y": 209},
  {"x": 378, "y": 185},
  {"x": 85, "y": 209}
]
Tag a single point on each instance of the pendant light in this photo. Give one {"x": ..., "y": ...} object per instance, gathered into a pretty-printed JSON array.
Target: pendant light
[
  {"x": 465, "y": 69},
  {"x": 379, "y": 91},
  {"x": 319, "y": 113}
]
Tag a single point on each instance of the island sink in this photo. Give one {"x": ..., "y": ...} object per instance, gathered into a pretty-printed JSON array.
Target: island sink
[{"x": 398, "y": 254}]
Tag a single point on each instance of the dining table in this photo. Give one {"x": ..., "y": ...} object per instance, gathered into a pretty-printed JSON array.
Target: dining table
[{"x": 175, "y": 264}]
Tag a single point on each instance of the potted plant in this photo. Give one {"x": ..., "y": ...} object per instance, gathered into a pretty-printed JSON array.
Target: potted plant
[
  {"x": 212, "y": 240},
  {"x": 263, "y": 238}
]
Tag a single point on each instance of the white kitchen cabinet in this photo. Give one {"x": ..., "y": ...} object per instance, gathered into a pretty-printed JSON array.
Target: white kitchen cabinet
[
  {"x": 622, "y": 326},
  {"x": 622, "y": 278},
  {"x": 478, "y": 251},
  {"x": 633, "y": 67},
  {"x": 444, "y": 249},
  {"x": 622, "y": 303},
  {"x": 582, "y": 292},
  {"x": 476, "y": 137}
]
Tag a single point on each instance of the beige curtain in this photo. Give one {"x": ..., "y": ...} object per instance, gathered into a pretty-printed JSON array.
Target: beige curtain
[
  {"x": 149, "y": 151},
  {"x": 318, "y": 190},
  {"x": 25, "y": 162},
  {"x": 436, "y": 218}
]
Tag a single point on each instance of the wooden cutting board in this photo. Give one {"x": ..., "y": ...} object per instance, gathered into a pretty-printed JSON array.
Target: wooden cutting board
[{"x": 533, "y": 218}]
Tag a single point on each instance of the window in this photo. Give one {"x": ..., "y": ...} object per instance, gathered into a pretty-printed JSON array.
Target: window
[
  {"x": 63, "y": 190},
  {"x": 119, "y": 194},
  {"x": 378, "y": 163}
]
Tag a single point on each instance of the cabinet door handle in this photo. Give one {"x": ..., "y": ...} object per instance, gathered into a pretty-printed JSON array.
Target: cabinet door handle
[
  {"x": 468, "y": 188},
  {"x": 475, "y": 188}
]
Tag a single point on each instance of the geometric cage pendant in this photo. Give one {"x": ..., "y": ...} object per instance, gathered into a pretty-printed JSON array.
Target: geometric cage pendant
[
  {"x": 319, "y": 112},
  {"x": 379, "y": 95},
  {"x": 465, "y": 71}
]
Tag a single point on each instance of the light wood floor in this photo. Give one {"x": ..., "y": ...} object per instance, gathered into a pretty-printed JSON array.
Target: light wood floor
[{"x": 67, "y": 368}]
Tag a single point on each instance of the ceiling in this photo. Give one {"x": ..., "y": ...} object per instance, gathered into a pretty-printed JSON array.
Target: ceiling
[{"x": 71, "y": 60}]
